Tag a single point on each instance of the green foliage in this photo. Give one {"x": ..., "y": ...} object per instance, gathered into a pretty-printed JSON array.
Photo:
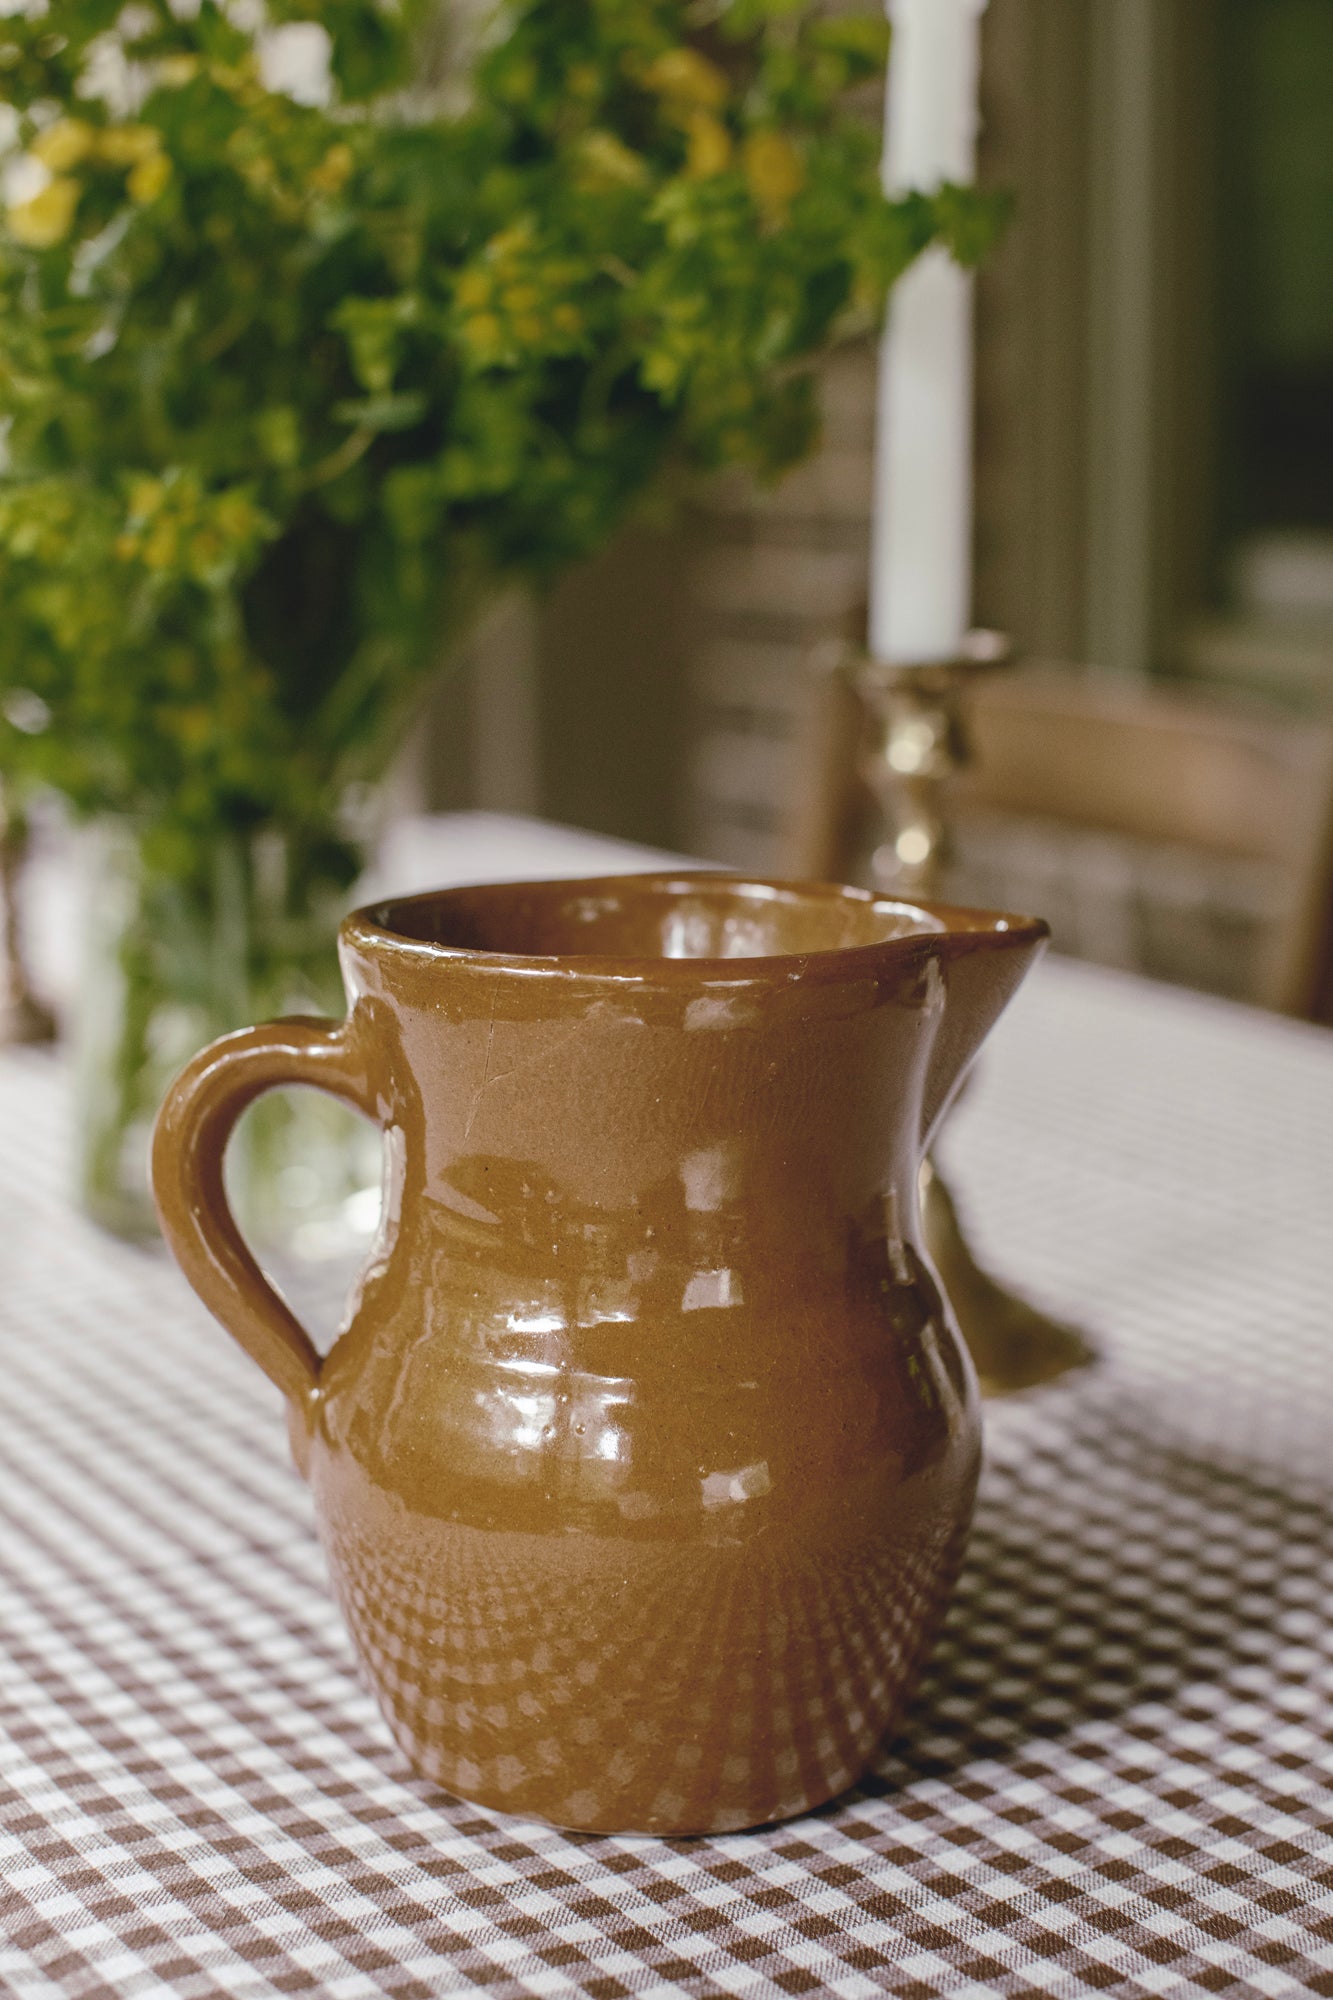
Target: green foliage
[{"x": 285, "y": 386}]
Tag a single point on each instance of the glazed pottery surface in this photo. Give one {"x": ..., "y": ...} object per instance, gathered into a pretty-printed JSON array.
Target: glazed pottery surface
[{"x": 645, "y": 1460}]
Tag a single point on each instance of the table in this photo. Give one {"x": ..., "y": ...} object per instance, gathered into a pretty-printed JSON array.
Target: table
[{"x": 1118, "y": 1777}]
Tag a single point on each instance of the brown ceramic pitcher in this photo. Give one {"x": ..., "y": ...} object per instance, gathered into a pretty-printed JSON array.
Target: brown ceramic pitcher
[{"x": 644, "y": 1462}]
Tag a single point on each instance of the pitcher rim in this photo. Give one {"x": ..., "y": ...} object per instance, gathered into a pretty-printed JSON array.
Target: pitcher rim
[{"x": 954, "y": 928}]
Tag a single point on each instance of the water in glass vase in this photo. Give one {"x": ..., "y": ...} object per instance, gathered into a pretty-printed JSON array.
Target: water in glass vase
[{"x": 170, "y": 962}]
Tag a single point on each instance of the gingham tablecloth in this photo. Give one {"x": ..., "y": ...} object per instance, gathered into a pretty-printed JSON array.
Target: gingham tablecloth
[{"x": 1118, "y": 1778}]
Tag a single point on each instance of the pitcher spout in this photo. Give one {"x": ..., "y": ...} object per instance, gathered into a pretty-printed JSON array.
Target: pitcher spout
[{"x": 983, "y": 958}]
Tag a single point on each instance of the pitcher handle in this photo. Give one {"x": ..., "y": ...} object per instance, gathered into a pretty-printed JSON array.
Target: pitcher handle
[{"x": 189, "y": 1145}]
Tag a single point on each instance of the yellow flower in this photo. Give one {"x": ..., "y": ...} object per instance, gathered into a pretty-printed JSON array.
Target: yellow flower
[
  {"x": 709, "y": 145},
  {"x": 176, "y": 71},
  {"x": 567, "y": 319},
  {"x": 473, "y": 289},
  {"x": 162, "y": 546},
  {"x": 64, "y": 145},
  {"x": 688, "y": 77},
  {"x": 146, "y": 496},
  {"x": 48, "y": 217},
  {"x": 774, "y": 170},
  {"x": 146, "y": 182},
  {"x": 512, "y": 242},
  {"x": 606, "y": 162},
  {"x": 241, "y": 80},
  {"x": 126, "y": 145},
  {"x": 235, "y": 516},
  {"x": 334, "y": 170},
  {"x": 205, "y": 548},
  {"x": 256, "y": 167},
  {"x": 484, "y": 335},
  {"x": 194, "y": 726},
  {"x": 518, "y": 83},
  {"x": 520, "y": 298}
]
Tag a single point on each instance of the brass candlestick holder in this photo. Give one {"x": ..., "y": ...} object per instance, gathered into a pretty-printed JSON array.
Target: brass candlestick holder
[{"x": 915, "y": 743}]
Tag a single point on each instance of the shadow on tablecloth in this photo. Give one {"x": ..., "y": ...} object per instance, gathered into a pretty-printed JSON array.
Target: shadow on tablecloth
[{"x": 1111, "y": 1575}]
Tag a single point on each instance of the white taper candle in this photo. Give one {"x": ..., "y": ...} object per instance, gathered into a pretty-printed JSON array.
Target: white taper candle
[{"x": 921, "y": 562}]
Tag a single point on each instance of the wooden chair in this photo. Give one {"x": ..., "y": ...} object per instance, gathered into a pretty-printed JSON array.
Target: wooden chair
[{"x": 1188, "y": 797}]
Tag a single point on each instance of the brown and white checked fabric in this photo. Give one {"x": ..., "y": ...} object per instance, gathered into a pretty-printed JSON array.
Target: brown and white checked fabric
[{"x": 1118, "y": 1778}]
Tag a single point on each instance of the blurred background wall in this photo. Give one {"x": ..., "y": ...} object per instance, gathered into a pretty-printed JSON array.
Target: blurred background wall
[{"x": 1154, "y": 483}]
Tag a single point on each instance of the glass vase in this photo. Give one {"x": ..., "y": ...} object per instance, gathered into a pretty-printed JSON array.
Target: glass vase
[{"x": 169, "y": 964}]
